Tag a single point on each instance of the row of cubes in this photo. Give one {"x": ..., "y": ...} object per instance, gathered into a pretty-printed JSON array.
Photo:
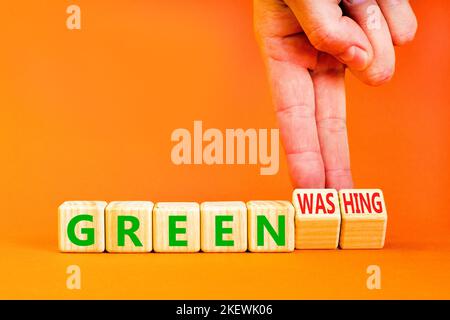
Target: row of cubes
[{"x": 316, "y": 219}]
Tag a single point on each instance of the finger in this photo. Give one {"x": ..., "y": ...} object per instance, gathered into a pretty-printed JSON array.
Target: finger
[
  {"x": 401, "y": 20},
  {"x": 293, "y": 95},
  {"x": 288, "y": 55},
  {"x": 329, "y": 88},
  {"x": 331, "y": 32},
  {"x": 369, "y": 16},
  {"x": 279, "y": 34}
]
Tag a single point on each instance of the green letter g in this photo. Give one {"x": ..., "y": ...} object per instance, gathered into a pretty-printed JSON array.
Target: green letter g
[{"x": 89, "y": 232}]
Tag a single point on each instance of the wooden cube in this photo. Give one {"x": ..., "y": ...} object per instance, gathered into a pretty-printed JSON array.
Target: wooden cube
[
  {"x": 223, "y": 226},
  {"x": 364, "y": 219},
  {"x": 129, "y": 226},
  {"x": 317, "y": 218},
  {"x": 81, "y": 226},
  {"x": 176, "y": 227},
  {"x": 270, "y": 226}
]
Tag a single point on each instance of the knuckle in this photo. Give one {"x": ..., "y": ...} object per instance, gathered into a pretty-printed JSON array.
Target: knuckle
[
  {"x": 339, "y": 173},
  {"x": 335, "y": 125},
  {"x": 380, "y": 76},
  {"x": 296, "y": 111},
  {"x": 321, "y": 36}
]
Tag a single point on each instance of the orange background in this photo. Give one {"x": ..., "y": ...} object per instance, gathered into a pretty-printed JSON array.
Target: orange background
[{"x": 88, "y": 115}]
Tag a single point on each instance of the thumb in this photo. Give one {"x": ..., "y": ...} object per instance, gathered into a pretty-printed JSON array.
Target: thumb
[{"x": 331, "y": 32}]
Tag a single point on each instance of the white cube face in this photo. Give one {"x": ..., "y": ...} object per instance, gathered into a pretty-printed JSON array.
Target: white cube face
[
  {"x": 270, "y": 226},
  {"x": 224, "y": 226},
  {"x": 362, "y": 203},
  {"x": 81, "y": 226},
  {"x": 316, "y": 203},
  {"x": 176, "y": 227},
  {"x": 129, "y": 226},
  {"x": 364, "y": 219},
  {"x": 317, "y": 218}
]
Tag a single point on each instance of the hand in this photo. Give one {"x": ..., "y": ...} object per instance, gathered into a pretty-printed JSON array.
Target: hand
[{"x": 306, "y": 45}]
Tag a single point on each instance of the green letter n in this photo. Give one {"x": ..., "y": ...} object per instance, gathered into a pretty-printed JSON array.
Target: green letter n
[
  {"x": 122, "y": 232},
  {"x": 263, "y": 223}
]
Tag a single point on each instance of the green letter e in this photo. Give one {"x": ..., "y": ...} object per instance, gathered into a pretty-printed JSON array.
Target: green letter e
[
  {"x": 220, "y": 231},
  {"x": 174, "y": 230}
]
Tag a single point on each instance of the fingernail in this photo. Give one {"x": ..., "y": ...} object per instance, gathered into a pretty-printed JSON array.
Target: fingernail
[{"x": 355, "y": 58}]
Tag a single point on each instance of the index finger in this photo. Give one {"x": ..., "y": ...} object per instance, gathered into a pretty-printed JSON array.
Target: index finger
[
  {"x": 293, "y": 94},
  {"x": 328, "y": 78},
  {"x": 288, "y": 54}
]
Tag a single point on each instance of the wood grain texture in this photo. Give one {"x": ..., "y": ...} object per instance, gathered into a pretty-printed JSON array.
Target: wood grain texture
[
  {"x": 317, "y": 218},
  {"x": 272, "y": 210},
  {"x": 70, "y": 209},
  {"x": 236, "y": 239},
  {"x": 161, "y": 235},
  {"x": 364, "y": 219},
  {"x": 142, "y": 211}
]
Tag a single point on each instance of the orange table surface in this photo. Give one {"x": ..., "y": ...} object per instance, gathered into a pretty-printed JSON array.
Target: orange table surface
[{"x": 408, "y": 271}]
